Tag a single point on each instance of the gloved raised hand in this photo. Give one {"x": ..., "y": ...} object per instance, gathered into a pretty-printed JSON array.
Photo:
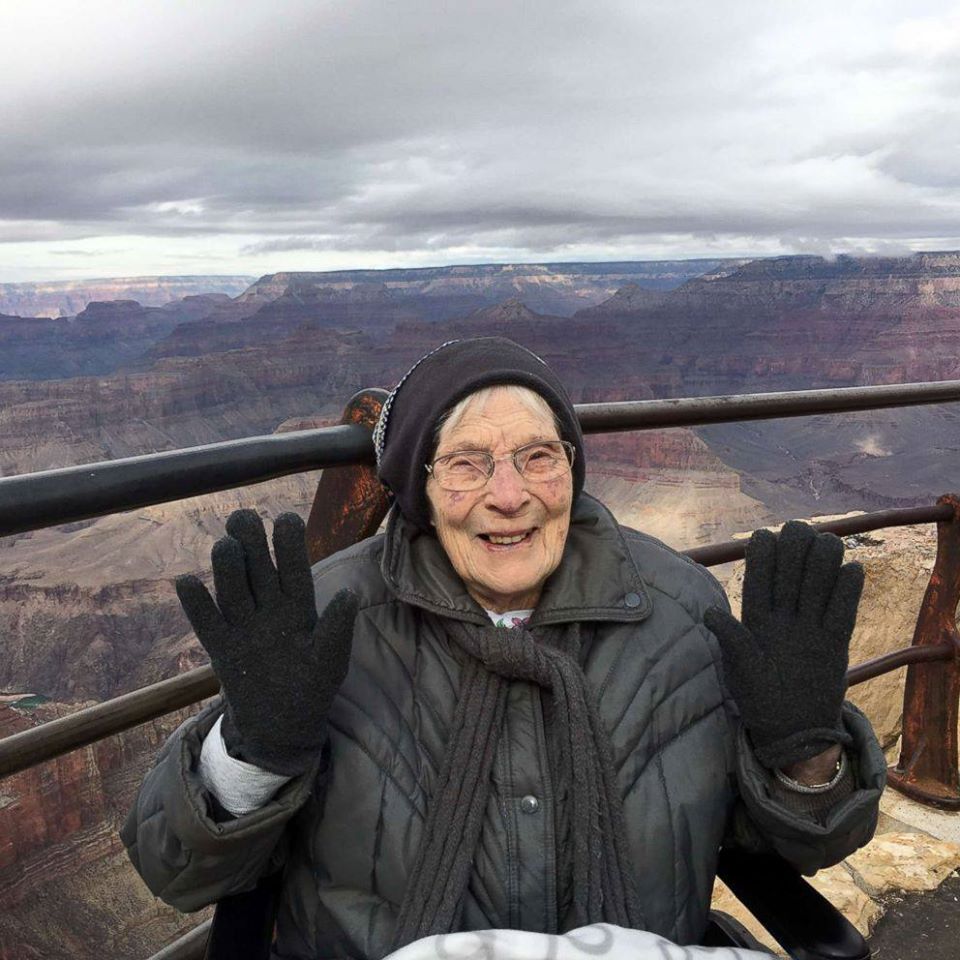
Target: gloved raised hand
[
  {"x": 279, "y": 664},
  {"x": 786, "y": 662}
]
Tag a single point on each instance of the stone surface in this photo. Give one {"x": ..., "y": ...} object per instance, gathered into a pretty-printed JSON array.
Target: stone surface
[
  {"x": 916, "y": 849},
  {"x": 841, "y": 889},
  {"x": 897, "y": 562},
  {"x": 861, "y": 886},
  {"x": 903, "y": 861},
  {"x": 907, "y": 814}
]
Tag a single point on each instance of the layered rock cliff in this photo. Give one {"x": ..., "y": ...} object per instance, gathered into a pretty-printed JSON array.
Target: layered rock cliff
[
  {"x": 87, "y": 614},
  {"x": 799, "y": 322},
  {"x": 734, "y": 331},
  {"x": 88, "y": 611},
  {"x": 557, "y": 288},
  {"x": 377, "y": 301},
  {"x": 66, "y": 298},
  {"x": 101, "y": 338},
  {"x": 67, "y": 889}
]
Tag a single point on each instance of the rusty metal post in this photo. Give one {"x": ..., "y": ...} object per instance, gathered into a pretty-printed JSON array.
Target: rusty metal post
[
  {"x": 927, "y": 770},
  {"x": 350, "y": 502}
]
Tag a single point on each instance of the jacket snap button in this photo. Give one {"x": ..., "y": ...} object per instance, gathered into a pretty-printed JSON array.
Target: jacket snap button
[
  {"x": 632, "y": 600},
  {"x": 529, "y": 804}
]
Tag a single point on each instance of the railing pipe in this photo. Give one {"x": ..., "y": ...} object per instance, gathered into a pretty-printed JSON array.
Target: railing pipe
[
  {"x": 72, "y": 494},
  {"x": 898, "y": 658},
  {"x": 716, "y": 553},
  {"x": 36, "y": 500},
  {"x": 56, "y": 737},
  {"x": 698, "y": 411},
  {"x": 191, "y": 946}
]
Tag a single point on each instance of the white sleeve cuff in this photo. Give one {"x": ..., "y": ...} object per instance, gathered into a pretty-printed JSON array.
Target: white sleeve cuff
[{"x": 239, "y": 786}]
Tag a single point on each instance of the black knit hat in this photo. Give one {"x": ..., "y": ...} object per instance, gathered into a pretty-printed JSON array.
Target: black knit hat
[{"x": 404, "y": 436}]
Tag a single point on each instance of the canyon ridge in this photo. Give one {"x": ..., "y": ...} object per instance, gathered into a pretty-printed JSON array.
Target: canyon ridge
[{"x": 87, "y": 611}]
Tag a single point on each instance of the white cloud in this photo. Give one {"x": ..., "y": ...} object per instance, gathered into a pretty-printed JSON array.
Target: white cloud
[{"x": 374, "y": 134}]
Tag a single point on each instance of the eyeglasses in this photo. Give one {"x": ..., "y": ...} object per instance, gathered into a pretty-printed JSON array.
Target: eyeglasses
[{"x": 471, "y": 469}]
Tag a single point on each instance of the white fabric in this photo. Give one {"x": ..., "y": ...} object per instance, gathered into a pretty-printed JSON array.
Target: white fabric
[
  {"x": 597, "y": 940},
  {"x": 509, "y": 618},
  {"x": 239, "y": 786}
]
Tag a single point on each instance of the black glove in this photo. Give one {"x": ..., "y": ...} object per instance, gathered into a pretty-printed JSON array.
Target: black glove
[
  {"x": 280, "y": 665},
  {"x": 786, "y": 663}
]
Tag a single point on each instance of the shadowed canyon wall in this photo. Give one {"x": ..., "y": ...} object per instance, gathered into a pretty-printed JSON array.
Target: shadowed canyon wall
[{"x": 88, "y": 611}]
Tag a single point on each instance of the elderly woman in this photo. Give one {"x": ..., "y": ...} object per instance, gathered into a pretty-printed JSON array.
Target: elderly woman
[{"x": 511, "y": 712}]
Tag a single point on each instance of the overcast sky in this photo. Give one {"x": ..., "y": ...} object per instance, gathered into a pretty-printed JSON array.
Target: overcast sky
[{"x": 198, "y": 137}]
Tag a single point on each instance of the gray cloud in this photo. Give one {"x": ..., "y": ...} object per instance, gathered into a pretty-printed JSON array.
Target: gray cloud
[{"x": 527, "y": 128}]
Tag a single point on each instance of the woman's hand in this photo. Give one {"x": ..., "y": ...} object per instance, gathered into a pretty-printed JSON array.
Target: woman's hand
[
  {"x": 816, "y": 771},
  {"x": 786, "y": 662},
  {"x": 280, "y": 665}
]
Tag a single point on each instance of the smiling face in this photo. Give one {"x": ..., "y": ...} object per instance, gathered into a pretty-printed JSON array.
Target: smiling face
[{"x": 506, "y": 538}]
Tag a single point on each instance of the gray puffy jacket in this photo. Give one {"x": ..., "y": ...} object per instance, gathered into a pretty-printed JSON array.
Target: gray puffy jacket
[{"x": 347, "y": 833}]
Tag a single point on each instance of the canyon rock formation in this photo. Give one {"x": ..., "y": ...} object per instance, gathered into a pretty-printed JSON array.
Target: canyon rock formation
[
  {"x": 66, "y": 298},
  {"x": 87, "y": 611},
  {"x": 67, "y": 889}
]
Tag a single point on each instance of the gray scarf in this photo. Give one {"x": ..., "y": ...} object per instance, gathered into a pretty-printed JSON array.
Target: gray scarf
[{"x": 591, "y": 841}]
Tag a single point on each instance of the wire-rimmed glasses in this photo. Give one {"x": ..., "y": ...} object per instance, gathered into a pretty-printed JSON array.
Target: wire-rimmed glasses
[{"x": 536, "y": 462}]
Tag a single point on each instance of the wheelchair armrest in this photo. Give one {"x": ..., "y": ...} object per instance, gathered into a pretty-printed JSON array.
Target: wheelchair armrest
[{"x": 797, "y": 916}]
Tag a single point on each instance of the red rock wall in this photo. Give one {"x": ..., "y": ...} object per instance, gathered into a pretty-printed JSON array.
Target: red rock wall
[{"x": 62, "y": 865}]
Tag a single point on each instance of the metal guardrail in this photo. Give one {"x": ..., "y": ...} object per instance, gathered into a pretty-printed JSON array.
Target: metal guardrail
[
  {"x": 717, "y": 553},
  {"x": 699, "y": 411},
  {"x": 35, "y": 500},
  {"x": 19, "y": 751},
  {"x": 191, "y": 946},
  {"x": 52, "y": 497}
]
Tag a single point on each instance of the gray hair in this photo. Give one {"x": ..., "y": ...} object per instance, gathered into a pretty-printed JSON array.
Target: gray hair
[{"x": 523, "y": 395}]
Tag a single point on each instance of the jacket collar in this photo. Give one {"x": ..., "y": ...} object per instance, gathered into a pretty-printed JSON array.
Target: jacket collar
[{"x": 597, "y": 578}]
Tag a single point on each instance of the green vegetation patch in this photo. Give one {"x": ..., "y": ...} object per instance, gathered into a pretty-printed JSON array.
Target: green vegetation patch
[{"x": 27, "y": 703}]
